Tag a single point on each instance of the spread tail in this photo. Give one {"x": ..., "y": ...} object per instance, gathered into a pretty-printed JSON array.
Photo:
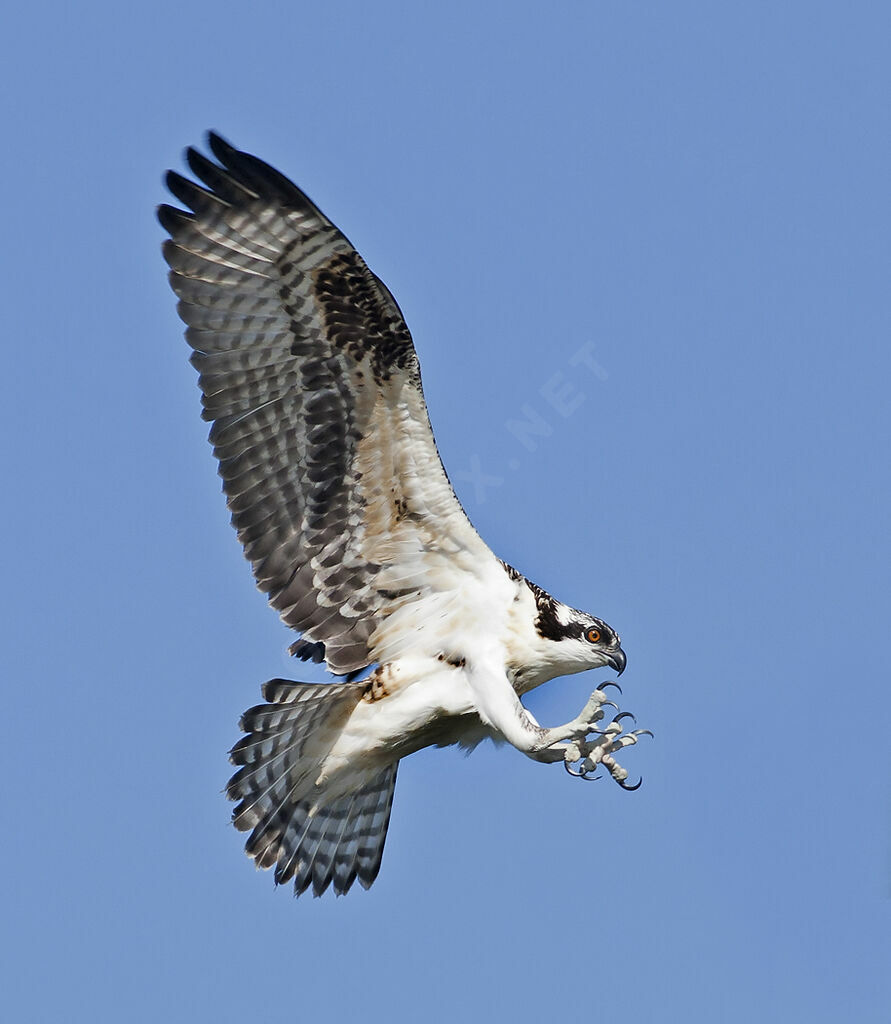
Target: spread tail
[{"x": 317, "y": 839}]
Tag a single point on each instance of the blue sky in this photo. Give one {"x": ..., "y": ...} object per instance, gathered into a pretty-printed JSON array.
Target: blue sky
[{"x": 678, "y": 211}]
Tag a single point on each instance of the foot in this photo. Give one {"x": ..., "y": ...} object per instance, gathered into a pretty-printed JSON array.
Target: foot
[
  {"x": 598, "y": 750},
  {"x": 585, "y": 721}
]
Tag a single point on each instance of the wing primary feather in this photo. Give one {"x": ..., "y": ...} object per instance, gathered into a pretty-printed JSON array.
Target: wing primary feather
[
  {"x": 194, "y": 196},
  {"x": 173, "y": 220},
  {"x": 258, "y": 175},
  {"x": 225, "y": 186}
]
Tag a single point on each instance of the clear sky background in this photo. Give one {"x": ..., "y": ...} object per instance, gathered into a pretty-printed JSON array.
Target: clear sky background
[{"x": 678, "y": 209}]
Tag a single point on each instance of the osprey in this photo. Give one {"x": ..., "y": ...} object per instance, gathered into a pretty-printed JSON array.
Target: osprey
[{"x": 345, "y": 512}]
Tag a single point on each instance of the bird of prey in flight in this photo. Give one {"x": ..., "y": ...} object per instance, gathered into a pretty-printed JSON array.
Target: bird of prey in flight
[{"x": 335, "y": 485}]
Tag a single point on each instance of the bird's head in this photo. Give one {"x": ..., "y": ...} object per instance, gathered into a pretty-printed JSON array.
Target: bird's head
[
  {"x": 576, "y": 641},
  {"x": 594, "y": 642}
]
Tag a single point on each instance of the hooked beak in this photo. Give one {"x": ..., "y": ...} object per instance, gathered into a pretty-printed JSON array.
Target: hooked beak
[{"x": 618, "y": 661}]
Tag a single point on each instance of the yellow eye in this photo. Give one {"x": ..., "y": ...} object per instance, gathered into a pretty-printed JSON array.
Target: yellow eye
[{"x": 593, "y": 635}]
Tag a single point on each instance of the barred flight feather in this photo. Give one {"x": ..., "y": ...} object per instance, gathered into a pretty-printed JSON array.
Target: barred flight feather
[{"x": 303, "y": 355}]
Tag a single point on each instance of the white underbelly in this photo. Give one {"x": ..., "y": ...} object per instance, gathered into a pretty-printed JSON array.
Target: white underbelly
[{"x": 417, "y": 699}]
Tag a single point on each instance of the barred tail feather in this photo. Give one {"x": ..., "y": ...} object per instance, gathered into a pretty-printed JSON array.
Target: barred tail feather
[
  {"x": 314, "y": 838},
  {"x": 343, "y": 841}
]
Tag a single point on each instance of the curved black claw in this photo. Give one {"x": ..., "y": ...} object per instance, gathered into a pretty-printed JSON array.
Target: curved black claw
[
  {"x": 581, "y": 775},
  {"x": 603, "y": 686},
  {"x": 643, "y": 732},
  {"x": 631, "y": 789},
  {"x": 625, "y": 714}
]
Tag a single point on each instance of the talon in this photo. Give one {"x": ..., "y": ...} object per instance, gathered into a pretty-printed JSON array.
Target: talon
[
  {"x": 624, "y": 714},
  {"x": 631, "y": 789},
  {"x": 643, "y": 732},
  {"x": 610, "y": 704},
  {"x": 603, "y": 686},
  {"x": 583, "y": 773}
]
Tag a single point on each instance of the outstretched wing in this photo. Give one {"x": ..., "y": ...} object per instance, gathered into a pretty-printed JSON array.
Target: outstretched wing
[{"x": 319, "y": 423}]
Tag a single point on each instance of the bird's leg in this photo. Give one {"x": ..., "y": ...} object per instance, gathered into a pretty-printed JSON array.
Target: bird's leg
[{"x": 499, "y": 707}]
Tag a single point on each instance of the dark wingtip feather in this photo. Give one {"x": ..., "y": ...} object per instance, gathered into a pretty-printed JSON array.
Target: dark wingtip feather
[
  {"x": 188, "y": 193},
  {"x": 216, "y": 179},
  {"x": 259, "y": 176},
  {"x": 197, "y": 161},
  {"x": 220, "y": 147},
  {"x": 172, "y": 219}
]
